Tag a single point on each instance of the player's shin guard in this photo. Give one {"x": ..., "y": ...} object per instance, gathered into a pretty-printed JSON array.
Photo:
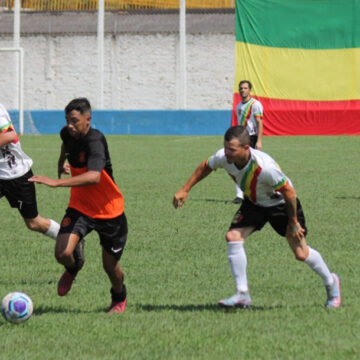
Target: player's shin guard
[
  {"x": 118, "y": 297},
  {"x": 238, "y": 263},
  {"x": 316, "y": 262},
  {"x": 53, "y": 229}
]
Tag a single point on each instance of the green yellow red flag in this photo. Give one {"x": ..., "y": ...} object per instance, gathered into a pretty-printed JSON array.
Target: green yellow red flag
[{"x": 303, "y": 60}]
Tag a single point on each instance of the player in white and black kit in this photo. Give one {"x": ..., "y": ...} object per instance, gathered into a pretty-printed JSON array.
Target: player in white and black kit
[
  {"x": 15, "y": 170},
  {"x": 269, "y": 197},
  {"x": 248, "y": 113}
]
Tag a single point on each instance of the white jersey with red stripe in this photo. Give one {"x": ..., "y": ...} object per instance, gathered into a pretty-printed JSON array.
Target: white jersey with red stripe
[
  {"x": 260, "y": 179},
  {"x": 13, "y": 161},
  {"x": 246, "y": 113}
]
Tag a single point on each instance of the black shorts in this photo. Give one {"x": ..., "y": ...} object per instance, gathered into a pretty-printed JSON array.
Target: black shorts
[
  {"x": 112, "y": 232},
  {"x": 253, "y": 141},
  {"x": 256, "y": 216},
  {"x": 21, "y": 194}
]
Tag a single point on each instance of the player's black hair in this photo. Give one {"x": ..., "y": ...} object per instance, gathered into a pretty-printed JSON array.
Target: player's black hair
[
  {"x": 82, "y": 105},
  {"x": 239, "y": 132},
  {"x": 245, "y": 82}
]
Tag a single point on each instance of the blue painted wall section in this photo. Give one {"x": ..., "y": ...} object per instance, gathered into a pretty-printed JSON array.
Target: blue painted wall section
[{"x": 142, "y": 122}]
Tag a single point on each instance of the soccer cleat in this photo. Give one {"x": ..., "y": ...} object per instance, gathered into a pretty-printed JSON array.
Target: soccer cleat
[
  {"x": 333, "y": 293},
  {"x": 239, "y": 300},
  {"x": 117, "y": 307},
  {"x": 237, "y": 200},
  {"x": 65, "y": 283},
  {"x": 79, "y": 255}
]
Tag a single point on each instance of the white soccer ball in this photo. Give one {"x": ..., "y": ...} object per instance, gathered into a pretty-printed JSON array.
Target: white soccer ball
[{"x": 16, "y": 307}]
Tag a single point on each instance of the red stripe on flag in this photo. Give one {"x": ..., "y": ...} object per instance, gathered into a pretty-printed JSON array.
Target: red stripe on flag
[{"x": 297, "y": 117}]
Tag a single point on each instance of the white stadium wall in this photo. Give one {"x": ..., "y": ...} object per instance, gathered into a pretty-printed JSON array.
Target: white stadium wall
[{"x": 140, "y": 71}]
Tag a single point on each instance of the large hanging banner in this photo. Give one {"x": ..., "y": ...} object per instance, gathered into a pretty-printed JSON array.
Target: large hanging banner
[{"x": 303, "y": 59}]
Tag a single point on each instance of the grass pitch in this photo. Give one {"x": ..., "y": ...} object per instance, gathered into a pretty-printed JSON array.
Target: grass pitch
[{"x": 176, "y": 263}]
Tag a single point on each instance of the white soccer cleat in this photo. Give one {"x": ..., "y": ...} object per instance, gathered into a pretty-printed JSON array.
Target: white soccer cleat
[
  {"x": 239, "y": 300},
  {"x": 333, "y": 293}
]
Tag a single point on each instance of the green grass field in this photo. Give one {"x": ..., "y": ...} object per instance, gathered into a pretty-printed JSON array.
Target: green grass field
[{"x": 176, "y": 261}]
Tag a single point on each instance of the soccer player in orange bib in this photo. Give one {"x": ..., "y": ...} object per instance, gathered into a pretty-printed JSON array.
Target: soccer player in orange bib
[{"x": 96, "y": 203}]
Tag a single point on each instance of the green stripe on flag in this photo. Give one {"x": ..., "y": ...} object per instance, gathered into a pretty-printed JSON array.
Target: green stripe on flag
[{"x": 306, "y": 24}]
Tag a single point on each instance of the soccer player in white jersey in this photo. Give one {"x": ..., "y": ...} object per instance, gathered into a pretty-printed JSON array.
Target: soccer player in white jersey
[
  {"x": 248, "y": 113},
  {"x": 269, "y": 197},
  {"x": 15, "y": 170}
]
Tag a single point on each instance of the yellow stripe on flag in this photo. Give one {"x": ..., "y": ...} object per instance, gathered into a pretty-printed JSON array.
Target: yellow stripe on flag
[{"x": 299, "y": 74}]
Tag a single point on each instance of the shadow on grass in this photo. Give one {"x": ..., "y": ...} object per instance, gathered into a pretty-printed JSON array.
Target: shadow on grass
[
  {"x": 203, "y": 307},
  {"x": 347, "y": 197},
  {"x": 230, "y": 201},
  {"x": 41, "y": 310},
  {"x": 189, "y": 307},
  {"x": 215, "y": 201},
  {"x": 26, "y": 282}
]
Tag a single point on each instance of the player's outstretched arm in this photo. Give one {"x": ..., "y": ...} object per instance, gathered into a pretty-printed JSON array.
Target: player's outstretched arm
[
  {"x": 40, "y": 179},
  {"x": 200, "y": 173},
  {"x": 91, "y": 177}
]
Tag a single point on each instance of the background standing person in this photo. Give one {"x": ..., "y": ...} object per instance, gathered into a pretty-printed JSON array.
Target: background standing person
[
  {"x": 248, "y": 113},
  {"x": 269, "y": 197},
  {"x": 15, "y": 170},
  {"x": 96, "y": 203}
]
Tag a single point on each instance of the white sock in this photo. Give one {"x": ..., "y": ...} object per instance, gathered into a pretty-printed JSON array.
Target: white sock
[
  {"x": 238, "y": 262},
  {"x": 239, "y": 192},
  {"x": 53, "y": 229},
  {"x": 316, "y": 262}
]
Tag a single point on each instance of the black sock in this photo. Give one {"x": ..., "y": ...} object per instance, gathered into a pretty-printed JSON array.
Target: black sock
[
  {"x": 118, "y": 297},
  {"x": 72, "y": 269}
]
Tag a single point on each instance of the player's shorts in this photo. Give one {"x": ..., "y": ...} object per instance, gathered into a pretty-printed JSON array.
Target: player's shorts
[
  {"x": 21, "y": 195},
  {"x": 256, "y": 216},
  {"x": 253, "y": 141},
  {"x": 112, "y": 232}
]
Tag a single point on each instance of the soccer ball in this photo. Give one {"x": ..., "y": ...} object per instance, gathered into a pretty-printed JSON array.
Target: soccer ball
[{"x": 16, "y": 307}]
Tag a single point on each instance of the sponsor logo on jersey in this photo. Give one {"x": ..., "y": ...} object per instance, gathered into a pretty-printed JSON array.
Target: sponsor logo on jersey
[
  {"x": 82, "y": 157},
  {"x": 66, "y": 221}
]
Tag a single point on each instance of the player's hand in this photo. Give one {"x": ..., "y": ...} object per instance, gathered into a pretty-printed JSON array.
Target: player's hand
[
  {"x": 295, "y": 231},
  {"x": 64, "y": 169},
  {"x": 179, "y": 199},
  {"x": 40, "y": 179},
  {"x": 258, "y": 145}
]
